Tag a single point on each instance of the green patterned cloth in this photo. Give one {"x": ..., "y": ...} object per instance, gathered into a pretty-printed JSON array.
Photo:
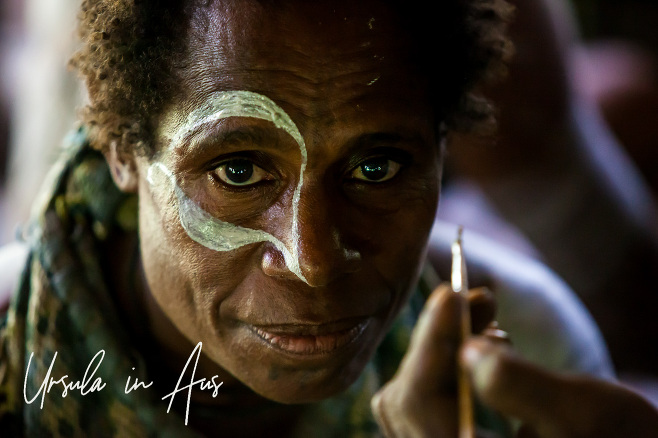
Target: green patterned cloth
[{"x": 63, "y": 306}]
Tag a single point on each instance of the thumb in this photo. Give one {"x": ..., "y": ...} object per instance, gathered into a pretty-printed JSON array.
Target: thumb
[{"x": 429, "y": 364}]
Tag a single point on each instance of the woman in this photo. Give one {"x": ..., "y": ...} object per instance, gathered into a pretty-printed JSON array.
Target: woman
[{"x": 284, "y": 159}]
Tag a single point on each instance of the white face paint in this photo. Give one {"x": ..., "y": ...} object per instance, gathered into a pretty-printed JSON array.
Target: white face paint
[{"x": 200, "y": 225}]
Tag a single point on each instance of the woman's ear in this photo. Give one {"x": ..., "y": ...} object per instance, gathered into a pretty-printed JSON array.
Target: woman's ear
[{"x": 123, "y": 168}]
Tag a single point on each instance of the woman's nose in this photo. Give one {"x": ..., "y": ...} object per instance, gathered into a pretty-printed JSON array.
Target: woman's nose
[{"x": 317, "y": 239}]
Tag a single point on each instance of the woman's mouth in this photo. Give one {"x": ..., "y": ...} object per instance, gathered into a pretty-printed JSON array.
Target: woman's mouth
[{"x": 311, "y": 339}]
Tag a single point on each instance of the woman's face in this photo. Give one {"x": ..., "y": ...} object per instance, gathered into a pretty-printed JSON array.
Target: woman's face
[{"x": 285, "y": 217}]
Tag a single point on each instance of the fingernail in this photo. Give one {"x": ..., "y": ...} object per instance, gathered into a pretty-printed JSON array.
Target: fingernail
[{"x": 483, "y": 290}]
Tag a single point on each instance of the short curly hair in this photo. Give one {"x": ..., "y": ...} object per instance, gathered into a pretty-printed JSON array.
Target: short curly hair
[{"x": 130, "y": 50}]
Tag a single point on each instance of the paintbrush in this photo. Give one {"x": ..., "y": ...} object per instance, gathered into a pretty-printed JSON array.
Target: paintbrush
[{"x": 459, "y": 283}]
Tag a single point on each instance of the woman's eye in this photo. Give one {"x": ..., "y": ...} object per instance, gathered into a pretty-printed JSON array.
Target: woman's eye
[
  {"x": 241, "y": 172},
  {"x": 376, "y": 170}
]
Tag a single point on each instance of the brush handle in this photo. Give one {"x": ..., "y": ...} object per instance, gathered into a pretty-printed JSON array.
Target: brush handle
[{"x": 459, "y": 281}]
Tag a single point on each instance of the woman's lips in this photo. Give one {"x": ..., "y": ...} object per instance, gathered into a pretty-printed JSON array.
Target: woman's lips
[{"x": 311, "y": 339}]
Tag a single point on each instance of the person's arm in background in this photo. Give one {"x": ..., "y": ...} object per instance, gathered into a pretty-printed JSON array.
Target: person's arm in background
[{"x": 558, "y": 175}]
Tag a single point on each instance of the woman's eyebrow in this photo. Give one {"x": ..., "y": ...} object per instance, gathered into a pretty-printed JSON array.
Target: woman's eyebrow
[
  {"x": 389, "y": 138},
  {"x": 242, "y": 136},
  {"x": 227, "y": 104},
  {"x": 241, "y": 103}
]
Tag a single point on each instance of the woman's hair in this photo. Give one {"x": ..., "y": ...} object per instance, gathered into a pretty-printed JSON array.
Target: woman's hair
[{"x": 131, "y": 49}]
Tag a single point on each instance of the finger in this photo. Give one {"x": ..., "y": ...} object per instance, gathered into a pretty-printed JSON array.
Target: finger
[
  {"x": 420, "y": 398},
  {"x": 379, "y": 412},
  {"x": 429, "y": 365},
  {"x": 493, "y": 333},
  {"x": 554, "y": 405},
  {"x": 402, "y": 413},
  {"x": 430, "y": 361},
  {"x": 483, "y": 308},
  {"x": 509, "y": 385}
]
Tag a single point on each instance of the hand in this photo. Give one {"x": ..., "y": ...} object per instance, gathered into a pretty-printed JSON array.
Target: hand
[
  {"x": 420, "y": 401},
  {"x": 421, "y": 398},
  {"x": 553, "y": 405}
]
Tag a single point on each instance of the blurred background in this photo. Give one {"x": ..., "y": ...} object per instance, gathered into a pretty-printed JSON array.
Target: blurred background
[
  {"x": 38, "y": 99},
  {"x": 569, "y": 177}
]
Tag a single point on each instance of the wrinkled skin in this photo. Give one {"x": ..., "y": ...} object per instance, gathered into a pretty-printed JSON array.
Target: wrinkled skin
[{"x": 342, "y": 74}]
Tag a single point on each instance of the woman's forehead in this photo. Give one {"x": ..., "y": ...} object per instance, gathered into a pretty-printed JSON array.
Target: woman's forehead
[
  {"x": 310, "y": 59},
  {"x": 316, "y": 41},
  {"x": 322, "y": 65}
]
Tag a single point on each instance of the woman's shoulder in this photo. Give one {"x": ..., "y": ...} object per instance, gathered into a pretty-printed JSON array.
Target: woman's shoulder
[
  {"x": 546, "y": 321},
  {"x": 13, "y": 257}
]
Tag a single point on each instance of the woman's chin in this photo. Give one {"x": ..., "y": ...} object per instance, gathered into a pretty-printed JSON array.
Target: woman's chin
[{"x": 290, "y": 391}]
